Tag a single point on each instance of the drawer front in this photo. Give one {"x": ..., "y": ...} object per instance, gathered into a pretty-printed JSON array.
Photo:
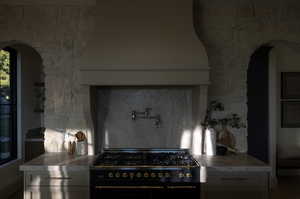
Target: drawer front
[
  {"x": 233, "y": 180},
  {"x": 55, "y": 192},
  {"x": 57, "y": 179}
]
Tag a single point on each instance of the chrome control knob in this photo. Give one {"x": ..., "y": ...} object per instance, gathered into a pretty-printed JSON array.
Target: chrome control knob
[
  {"x": 146, "y": 175},
  {"x": 167, "y": 175},
  {"x": 139, "y": 175},
  {"x": 117, "y": 175},
  {"x": 153, "y": 175},
  {"x": 125, "y": 175},
  {"x": 110, "y": 175},
  {"x": 188, "y": 175},
  {"x": 131, "y": 175},
  {"x": 160, "y": 175},
  {"x": 180, "y": 175}
]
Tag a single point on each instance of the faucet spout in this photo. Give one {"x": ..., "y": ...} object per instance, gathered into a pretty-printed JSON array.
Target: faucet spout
[{"x": 146, "y": 115}]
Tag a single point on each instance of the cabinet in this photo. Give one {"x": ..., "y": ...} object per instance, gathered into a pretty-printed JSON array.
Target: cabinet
[
  {"x": 236, "y": 185},
  {"x": 56, "y": 185}
]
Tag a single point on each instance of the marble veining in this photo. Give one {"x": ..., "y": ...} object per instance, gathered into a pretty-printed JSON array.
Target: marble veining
[{"x": 116, "y": 129}]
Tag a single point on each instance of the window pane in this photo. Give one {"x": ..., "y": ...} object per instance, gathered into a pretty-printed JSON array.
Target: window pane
[
  {"x": 7, "y": 105},
  {"x": 5, "y": 87},
  {"x": 5, "y": 131}
]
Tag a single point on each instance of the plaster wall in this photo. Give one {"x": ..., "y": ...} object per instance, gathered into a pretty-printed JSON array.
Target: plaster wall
[
  {"x": 288, "y": 144},
  {"x": 230, "y": 30}
]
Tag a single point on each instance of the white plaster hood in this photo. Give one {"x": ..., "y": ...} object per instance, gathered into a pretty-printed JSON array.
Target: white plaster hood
[{"x": 144, "y": 42}]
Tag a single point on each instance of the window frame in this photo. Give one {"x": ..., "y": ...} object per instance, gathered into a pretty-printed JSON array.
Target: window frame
[{"x": 14, "y": 106}]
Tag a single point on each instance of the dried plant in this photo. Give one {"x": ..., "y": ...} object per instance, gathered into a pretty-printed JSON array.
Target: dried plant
[{"x": 232, "y": 120}]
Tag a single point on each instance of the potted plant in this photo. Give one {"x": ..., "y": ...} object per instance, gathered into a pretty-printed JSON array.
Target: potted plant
[{"x": 224, "y": 137}]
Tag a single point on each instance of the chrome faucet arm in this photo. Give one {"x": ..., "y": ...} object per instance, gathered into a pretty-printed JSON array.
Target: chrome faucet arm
[{"x": 146, "y": 115}]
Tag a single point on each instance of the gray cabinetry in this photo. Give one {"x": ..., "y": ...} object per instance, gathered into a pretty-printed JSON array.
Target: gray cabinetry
[
  {"x": 56, "y": 185},
  {"x": 236, "y": 185}
]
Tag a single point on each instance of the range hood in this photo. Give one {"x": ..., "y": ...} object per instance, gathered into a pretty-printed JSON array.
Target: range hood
[{"x": 144, "y": 42}]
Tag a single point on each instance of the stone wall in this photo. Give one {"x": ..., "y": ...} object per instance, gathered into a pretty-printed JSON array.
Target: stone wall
[{"x": 231, "y": 31}]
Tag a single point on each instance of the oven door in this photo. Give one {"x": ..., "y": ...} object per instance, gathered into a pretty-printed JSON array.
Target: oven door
[
  {"x": 126, "y": 192},
  {"x": 175, "y": 191},
  {"x": 179, "y": 191}
]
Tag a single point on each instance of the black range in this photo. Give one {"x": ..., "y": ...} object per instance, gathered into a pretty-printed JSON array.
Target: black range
[{"x": 145, "y": 173}]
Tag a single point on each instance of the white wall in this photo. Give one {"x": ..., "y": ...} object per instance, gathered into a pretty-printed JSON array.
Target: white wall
[
  {"x": 230, "y": 30},
  {"x": 288, "y": 139}
]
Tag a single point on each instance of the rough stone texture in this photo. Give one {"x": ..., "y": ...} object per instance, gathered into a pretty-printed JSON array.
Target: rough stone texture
[{"x": 231, "y": 31}]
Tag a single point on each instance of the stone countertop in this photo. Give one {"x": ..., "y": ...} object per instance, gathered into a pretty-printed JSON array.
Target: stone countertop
[
  {"x": 232, "y": 162},
  {"x": 57, "y": 161}
]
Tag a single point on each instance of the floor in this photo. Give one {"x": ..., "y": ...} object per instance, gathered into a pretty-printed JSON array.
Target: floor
[{"x": 288, "y": 188}]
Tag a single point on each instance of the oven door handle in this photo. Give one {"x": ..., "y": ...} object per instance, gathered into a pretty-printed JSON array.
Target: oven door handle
[{"x": 129, "y": 187}]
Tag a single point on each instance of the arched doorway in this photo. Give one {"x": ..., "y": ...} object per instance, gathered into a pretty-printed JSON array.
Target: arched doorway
[
  {"x": 273, "y": 143},
  {"x": 21, "y": 78},
  {"x": 258, "y": 104}
]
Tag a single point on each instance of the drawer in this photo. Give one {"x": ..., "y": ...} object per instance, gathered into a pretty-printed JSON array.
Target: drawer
[
  {"x": 246, "y": 180},
  {"x": 57, "y": 178}
]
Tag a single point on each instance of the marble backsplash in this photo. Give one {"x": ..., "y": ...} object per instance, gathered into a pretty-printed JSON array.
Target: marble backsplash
[{"x": 115, "y": 127}]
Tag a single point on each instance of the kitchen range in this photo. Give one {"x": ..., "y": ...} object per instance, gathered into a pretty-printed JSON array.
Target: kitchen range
[{"x": 145, "y": 173}]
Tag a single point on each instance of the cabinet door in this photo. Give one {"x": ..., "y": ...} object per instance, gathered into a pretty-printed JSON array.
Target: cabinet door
[
  {"x": 234, "y": 194},
  {"x": 56, "y": 192},
  {"x": 52, "y": 179},
  {"x": 236, "y": 185}
]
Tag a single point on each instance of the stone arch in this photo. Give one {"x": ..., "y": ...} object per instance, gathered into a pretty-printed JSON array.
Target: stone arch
[
  {"x": 30, "y": 78},
  {"x": 274, "y": 94}
]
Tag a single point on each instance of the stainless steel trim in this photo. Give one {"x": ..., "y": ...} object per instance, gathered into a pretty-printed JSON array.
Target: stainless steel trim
[
  {"x": 129, "y": 187},
  {"x": 59, "y": 178},
  {"x": 145, "y": 150},
  {"x": 181, "y": 187},
  {"x": 142, "y": 166},
  {"x": 234, "y": 179}
]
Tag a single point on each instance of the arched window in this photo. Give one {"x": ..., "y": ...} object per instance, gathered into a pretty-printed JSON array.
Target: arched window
[{"x": 8, "y": 105}]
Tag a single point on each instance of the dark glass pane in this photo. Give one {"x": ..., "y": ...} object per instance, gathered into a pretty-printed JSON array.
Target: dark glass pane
[
  {"x": 7, "y": 103},
  {"x": 5, "y": 133},
  {"x": 5, "y": 77}
]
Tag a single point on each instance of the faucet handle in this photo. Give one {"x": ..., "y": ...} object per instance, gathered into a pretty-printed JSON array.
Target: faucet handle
[
  {"x": 157, "y": 121},
  {"x": 133, "y": 115},
  {"x": 147, "y": 112}
]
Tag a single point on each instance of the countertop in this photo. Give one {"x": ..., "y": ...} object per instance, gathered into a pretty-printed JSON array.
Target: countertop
[
  {"x": 235, "y": 162},
  {"x": 52, "y": 161},
  {"x": 232, "y": 162},
  {"x": 57, "y": 161}
]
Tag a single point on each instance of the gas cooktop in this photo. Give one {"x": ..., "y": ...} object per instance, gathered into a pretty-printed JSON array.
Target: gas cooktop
[
  {"x": 145, "y": 173},
  {"x": 145, "y": 158}
]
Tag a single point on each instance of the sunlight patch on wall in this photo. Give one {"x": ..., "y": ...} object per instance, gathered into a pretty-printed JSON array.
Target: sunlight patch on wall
[
  {"x": 106, "y": 139},
  {"x": 186, "y": 139},
  {"x": 197, "y": 141},
  {"x": 57, "y": 140}
]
